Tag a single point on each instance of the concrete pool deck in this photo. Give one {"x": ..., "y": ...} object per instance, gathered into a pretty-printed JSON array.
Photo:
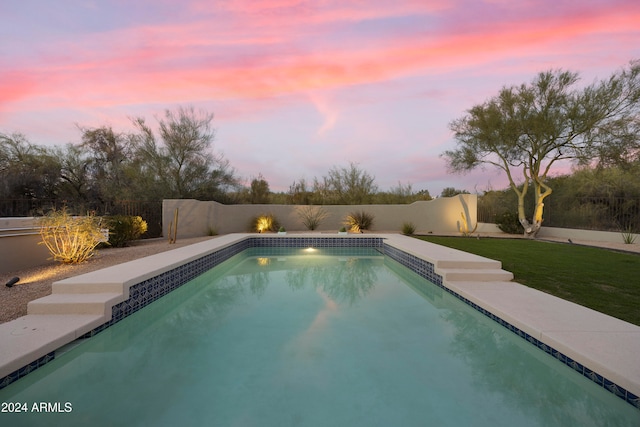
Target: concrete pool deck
[{"x": 607, "y": 346}]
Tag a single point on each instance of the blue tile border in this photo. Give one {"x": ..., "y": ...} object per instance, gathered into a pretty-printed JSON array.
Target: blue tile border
[
  {"x": 420, "y": 266},
  {"x": 17, "y": 374},
  {"x": 151, "y": 289},
  {"x": 317, "y": 242}
]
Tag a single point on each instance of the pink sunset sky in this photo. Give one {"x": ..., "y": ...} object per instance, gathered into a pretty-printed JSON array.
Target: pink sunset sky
[{"x": 299, "y": 86}]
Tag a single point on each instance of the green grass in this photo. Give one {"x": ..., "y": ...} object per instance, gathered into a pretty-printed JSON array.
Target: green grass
[{"x": 603, "y": 280}]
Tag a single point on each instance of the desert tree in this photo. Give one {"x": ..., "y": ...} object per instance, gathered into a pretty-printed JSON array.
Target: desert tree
[
  {"x": 259, "y": 190},
  {"x": 27, "y": 171},
  {"x": 75, "y": 183},
  {"x": 525, "y": 130},
  {"x": 108, "y": 155},
  {"x": 345, "y": 186},
  {"x": 452, "y": 191},
  {"x": 181, "y": 158},
  {"x": 299, "y": 193}
]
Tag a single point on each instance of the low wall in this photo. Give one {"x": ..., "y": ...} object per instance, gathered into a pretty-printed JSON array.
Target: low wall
[
  {"x": 588, "y": 235},
  {"x": 19, "y": 248},
  {"x": 563, "y": 234},
  {"x": 197, "y": 218}
]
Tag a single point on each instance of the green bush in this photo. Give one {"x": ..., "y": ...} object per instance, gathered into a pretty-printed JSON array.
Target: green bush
[
  {"x": 508, "y": 222},
  {"x": 123, "y": 229},
  {"x": 358, "y": 221},
  {"x": 408, "y": 228},
  {"x": 70, "y": 239}
]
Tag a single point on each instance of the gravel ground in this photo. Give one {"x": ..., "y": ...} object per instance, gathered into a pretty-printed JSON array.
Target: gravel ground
[{"x": 36, "y": 282}]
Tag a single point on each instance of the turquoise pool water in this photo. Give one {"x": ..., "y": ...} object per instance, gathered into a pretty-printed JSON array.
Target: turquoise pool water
[{"x": 312, "y": 338}]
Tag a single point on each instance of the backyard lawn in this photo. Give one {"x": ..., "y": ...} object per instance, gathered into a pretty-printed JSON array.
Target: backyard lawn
[{"x": 600, "y": 279}]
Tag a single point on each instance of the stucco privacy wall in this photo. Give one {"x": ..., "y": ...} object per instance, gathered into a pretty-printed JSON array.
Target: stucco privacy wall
[
  {"x": 196, "y": 218},
  {"x": 19, "y": 246}
]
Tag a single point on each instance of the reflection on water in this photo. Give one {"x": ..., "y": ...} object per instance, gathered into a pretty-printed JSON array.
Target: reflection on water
[
  {"x": 343, "y": 277},
  {"x": 347, "y": 281}
]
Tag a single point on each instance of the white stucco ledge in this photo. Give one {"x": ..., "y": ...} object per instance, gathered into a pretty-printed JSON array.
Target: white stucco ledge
[
  {"x": 79, "y": 304},
  {"x": 30, "y": 337}
]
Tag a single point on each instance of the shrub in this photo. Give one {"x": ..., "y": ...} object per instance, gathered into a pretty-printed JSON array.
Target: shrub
[
  {"x": 358, "y": 221},
  {"x": 408, "y": 228},
  {"x": 124, "y": 228},
  {"x": 508, "y": 222},
  {"x": 628, "y": 237},
  {"x": 263, "y": 223},
  {"x": 70, "y": 239},
  {"x": 312, "y": 216}
]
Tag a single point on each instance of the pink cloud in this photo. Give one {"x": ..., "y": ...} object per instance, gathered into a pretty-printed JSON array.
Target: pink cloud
[
  {"x": 14, "y": 86},
  {"x": 171, "y": 63},
  {"x": 303, "y": 13}
]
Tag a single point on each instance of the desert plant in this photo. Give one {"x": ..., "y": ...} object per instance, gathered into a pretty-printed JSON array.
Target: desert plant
[
  {"x": 311, "y": 216},
  {"x": 124, "y": 228},
  {"x": 628, "y": 236},
  {"x": 408, "y": 228},
  {"x": 70, "y": 239},
  {"x": 463, "y": 226},
  {"x": 263, "y": 223},
  {"x": 508, "y": 222},
  {"x": 358, "y": 221},
  {"x": 282, "y": 229},
  {"x": 342, "y": 230}
]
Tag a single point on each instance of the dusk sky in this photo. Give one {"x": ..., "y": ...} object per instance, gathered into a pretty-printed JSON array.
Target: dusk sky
[{"x": 297, "y": 86}]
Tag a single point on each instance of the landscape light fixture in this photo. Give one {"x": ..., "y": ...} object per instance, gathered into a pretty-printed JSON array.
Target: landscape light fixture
[{"x": 12, "y": 282}]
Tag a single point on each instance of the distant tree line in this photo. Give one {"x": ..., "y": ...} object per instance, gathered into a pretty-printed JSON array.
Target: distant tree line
[
  {"x": 347, "y": 186},
  {"x": 174, "y": 159}
]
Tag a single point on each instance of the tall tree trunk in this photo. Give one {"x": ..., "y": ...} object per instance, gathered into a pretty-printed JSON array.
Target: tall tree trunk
[{"x": 531, "y": 229}]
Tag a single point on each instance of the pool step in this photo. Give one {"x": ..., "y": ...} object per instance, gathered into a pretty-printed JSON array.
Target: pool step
[
  {"x": 477, "y": 263},
  {"x": 474, "y": 274},
  {"x": 93, "y": 303},
  {"x": 70, "y": 286}
]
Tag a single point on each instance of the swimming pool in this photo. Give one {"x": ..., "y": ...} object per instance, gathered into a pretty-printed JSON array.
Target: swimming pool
[{"x": 284, "y": 336}]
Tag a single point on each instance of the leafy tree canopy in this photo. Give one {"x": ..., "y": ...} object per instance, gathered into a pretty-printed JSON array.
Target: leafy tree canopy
[{"x": 526, "y": 129}]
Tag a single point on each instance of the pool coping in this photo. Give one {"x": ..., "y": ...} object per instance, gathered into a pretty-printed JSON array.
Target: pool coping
[{"x": 600, "y": 347}]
